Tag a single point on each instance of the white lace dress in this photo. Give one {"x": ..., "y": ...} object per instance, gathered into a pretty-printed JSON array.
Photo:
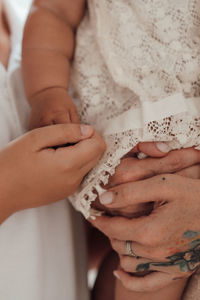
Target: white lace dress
[{"x": 136, "y": 73}]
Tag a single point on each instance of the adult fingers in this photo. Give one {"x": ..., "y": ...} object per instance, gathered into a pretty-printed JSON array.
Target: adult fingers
[
  {"x": 148, "y": 283},
  {"x": 152, "y": 253},
  {"x": 158, "y": 188},
  {"x": 192, "y": 172},
  {"x": 84, "y": 152},
  {"x": 158, "y": 149},
  {"x": 56, "y": 135},
  {"x": 132, "y": 169},
  {"x": 180, "y": 159},
  {"x": 133, "y": 265},
  {"x": 121, "y": 228},
  {"x": 148, "y": 230},
  {"x": 89, "y": 165},
  {"x": 152, "y": 149}
]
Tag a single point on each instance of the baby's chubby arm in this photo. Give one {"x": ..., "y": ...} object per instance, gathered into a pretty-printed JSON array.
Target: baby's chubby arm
[{"x": 48, "y": 47}]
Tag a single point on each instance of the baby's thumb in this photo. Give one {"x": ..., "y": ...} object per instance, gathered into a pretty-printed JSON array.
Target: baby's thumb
[{"x": 58, "y": 135}]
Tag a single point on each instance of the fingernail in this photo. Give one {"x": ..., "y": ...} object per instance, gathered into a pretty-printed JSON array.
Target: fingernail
[
  {"x": 115, "y": 273},
  {"x": 86, "y": 130},
  {"x": 106, "y": 198},
  {"x": 163, "y": 147}
]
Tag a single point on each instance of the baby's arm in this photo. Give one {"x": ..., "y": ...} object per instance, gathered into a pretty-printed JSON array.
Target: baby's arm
[{"x": 48, "y": 48}]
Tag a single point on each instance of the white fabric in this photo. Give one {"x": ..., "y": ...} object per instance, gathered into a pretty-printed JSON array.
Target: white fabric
[
  {"x": 136, "y": 74},
  {"x": 42, "y": 251}
]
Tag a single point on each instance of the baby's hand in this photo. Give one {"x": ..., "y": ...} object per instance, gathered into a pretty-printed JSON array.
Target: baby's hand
[{"x": 52, "y": 106}]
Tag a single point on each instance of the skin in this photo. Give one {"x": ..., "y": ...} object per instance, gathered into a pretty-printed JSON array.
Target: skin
[
  {"x": 176, "y": 204},
  {"x": 47, "y": 174},
  {"x": 47, "y": 55},
  {"x": 4, "y": 37}
]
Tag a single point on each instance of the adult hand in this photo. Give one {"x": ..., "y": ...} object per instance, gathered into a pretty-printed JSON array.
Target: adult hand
[
  {"x": 152, "y": 149},
  {"x": 132, "y": 169},
  {"x": 34, "y": 172},
  {"x": 168, "y": 238}
]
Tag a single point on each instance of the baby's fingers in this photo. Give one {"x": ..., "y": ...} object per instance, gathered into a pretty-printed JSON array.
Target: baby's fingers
[
  {"x": 63, "y": 117},
  {"x": 60, "y": 118},
  {"x": 37, "y": 121}
]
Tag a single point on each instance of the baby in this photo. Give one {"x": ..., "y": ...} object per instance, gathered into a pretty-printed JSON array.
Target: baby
[{"x": 135, "y": 72}]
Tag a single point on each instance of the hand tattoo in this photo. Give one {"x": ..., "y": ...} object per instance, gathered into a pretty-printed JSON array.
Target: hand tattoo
[{"x": 187, "y": 261}]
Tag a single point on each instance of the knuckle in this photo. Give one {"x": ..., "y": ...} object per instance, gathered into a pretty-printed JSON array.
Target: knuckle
[
  {"x": 161, "y": 254},
  {"x": 143, "y": 236},
  {"x": 122, "y": 193},
  {"x": 124, "y": 262},
  {"x": 166, "y": 190},
  {"x": 155, "y": 241},
  {"x": 150, "y": 238},
  {"x": 124, "y": 176},
  {"x": 51, "y": 117},
  {"x": 45, "y": 120},
  {"x": 175, "y": 162}
]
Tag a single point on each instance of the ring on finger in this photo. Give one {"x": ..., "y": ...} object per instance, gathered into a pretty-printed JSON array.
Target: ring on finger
[{"x": 129, "y": 249}]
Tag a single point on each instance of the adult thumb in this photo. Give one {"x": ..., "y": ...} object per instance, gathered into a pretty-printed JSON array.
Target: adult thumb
[
  {"x": 152, "y": 149},
  {"x": 58, "y": 135}
]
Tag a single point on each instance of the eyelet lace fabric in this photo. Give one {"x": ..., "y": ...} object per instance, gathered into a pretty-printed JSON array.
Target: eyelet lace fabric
[{"x": 136, "y": 74}]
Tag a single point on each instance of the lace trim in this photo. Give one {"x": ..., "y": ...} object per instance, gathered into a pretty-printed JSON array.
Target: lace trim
[{"x": 181, "y": 130}]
